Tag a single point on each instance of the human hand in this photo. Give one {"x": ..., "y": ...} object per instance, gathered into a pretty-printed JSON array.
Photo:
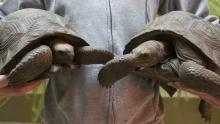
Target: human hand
[{"x": 7, "y": 91}]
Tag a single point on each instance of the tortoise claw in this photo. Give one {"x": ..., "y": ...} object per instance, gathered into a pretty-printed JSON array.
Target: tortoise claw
[
  {"x": 206, "y": 118},
  {"x": 205, "y": 110}
]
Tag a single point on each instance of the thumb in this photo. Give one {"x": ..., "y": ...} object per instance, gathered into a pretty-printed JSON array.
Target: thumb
[{"x": 3, "y": 81}]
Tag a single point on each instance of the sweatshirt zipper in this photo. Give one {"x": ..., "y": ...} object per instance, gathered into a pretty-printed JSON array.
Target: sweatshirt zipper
[
  {"x": 111, "y": 26},
  {"x": 111, "y": 47}
]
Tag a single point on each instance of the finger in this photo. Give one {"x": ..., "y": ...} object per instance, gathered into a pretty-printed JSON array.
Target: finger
[
  {"x": 10, "y": 91},
  {"x": 92, "y": 55},
  {"x": 181, "y": 86},
  {"x": 2, "y": 98},
  {"x": 28, "y": 87},
  {"x": 3, "y": 81}
]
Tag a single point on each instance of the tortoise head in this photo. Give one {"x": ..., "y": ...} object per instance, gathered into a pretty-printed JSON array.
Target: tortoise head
[
  {"x": 149, "y": 53},
  {"x": 145, "y": 55},
  {"x": 63, "y": 52}
]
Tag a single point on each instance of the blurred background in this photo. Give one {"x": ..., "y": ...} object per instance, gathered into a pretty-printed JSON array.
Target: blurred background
[{"x": 181, "y": 109}]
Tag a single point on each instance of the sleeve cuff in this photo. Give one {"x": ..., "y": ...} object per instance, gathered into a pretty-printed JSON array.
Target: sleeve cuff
[
  {"x": 213, "y": 19},
  {"x": 1, "y": 14}
]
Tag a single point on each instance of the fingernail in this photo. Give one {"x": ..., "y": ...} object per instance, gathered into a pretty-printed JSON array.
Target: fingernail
[{"x": 3, "y": 80}]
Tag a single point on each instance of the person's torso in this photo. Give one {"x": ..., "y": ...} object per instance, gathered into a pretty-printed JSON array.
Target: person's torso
[{"x": 75, "y": 97}]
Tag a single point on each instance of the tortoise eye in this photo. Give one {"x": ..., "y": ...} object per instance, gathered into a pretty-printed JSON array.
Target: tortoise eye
[
  {"x": 144, "y": 54},
  {"x": 60, "y": 52}
]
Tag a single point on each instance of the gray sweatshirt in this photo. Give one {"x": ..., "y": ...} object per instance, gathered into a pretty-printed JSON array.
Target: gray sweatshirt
[{"x": 74, "y": 96}]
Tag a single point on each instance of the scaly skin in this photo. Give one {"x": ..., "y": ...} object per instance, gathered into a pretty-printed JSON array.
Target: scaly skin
[
  {"x": 92, "y": 55},
  {"x": 59, "y": 53},
  {"x": 66, "y": 56},
  {"x": 33, "y": 64},
  {"x": 203, "y": 80},
  {"x": 192, "y": 75},
  {"x": 147, "y": 54},
  {"x": 188, "y": 67}
]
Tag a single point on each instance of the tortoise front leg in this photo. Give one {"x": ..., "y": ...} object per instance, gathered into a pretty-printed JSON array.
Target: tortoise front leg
[
  {"x": 193, "y": 75},
  {"x": 92, "y": 55},
  {"x": 31, "y": 66},
  {"x": 199, "y": 78},
  {"x": 116, "y": 69}
]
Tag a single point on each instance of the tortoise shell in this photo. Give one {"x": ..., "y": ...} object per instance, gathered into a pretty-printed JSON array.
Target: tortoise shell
[
  {"x": 26, "y": 29},
  {"x": 185, "y": 27}
]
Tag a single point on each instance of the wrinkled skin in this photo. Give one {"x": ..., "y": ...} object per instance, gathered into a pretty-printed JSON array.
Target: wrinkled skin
[
  {"x": 63, "y": 55},
  {"x": 63, "y": 52},
  {"x": 188, "y": 66},
  {"x": 149, "y": 53},
  {"x": 52, "y": 59},
  {"x": 145, "y": 55},
  {"x": 39, "y": 42}
]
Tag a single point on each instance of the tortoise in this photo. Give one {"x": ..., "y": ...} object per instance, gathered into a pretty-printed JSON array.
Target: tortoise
[
  {"x": 193, "y": 55},
  {"x": 33, "y": 40}
]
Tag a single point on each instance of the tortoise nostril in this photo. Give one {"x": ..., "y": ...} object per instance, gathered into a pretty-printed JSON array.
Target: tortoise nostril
[
  {"x": 137, "y": 68},
  {"x": 60, "y": 52},
  {"x": 145, "y": 54}
]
